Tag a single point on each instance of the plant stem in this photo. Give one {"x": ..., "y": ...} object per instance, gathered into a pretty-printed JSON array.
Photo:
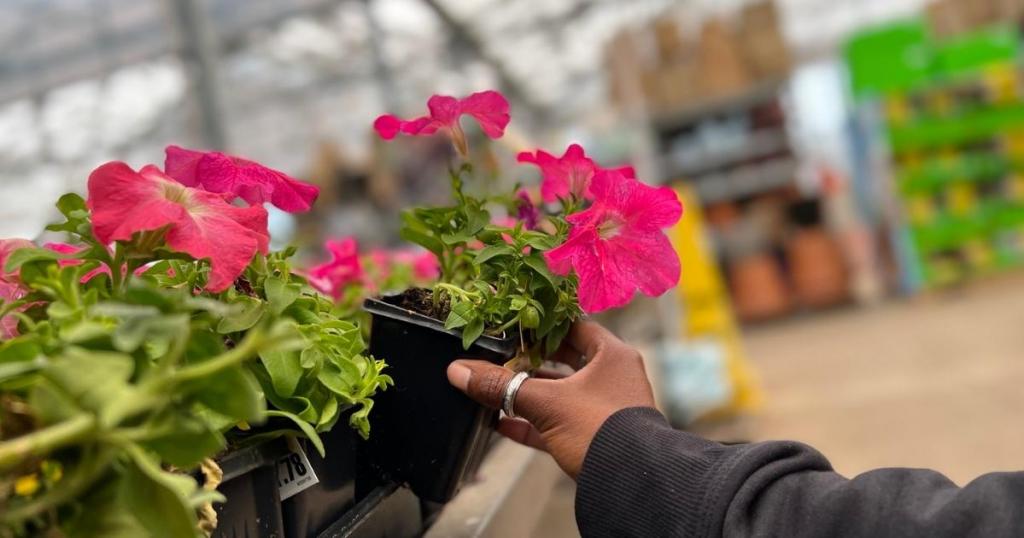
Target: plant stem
[
  {"x": 115, "y": 269},
  {"x": 41, "y": 442},
  {"x": 245, "y": 349}
]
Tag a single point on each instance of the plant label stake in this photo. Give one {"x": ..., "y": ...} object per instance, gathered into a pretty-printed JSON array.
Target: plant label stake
[{"x": 294, "y": 473}]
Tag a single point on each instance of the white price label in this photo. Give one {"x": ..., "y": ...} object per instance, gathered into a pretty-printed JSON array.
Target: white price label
[{"x": 294, "y": 473}]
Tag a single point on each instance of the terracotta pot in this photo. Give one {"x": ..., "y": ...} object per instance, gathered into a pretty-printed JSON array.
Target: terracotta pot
[
  {"x": 819, "y": 274},
  {"x": 758, "y": 287}
]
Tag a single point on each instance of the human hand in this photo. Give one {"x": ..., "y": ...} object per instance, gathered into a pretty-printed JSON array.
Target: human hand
[{"x": 562, "y": 416}]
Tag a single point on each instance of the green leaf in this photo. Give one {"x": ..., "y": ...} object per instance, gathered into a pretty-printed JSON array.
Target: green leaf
[
  {"x": 155, "y": 329},
  {"x": 70, "y": 203},
  {"x": 307, "y": 430},
  {"x": 517, "y": 303},
  {"x": 493, "y": 251},
  {"x": 19, "y": 349},
  {"x": 530, "y": 317},
  {"x": 251, "y": 312},
  {"x": 232, "y": 392},
  {"x": 328, "y": 415},
  {"x": 476, "y": 218},
  {"x": 541, "y": 241},
  {"x": 472, "y": 332},
  {"x": 456, "y": 238},
  {"x": 460, "y": 315},
  {"x": 281, "y": 294},
  {"x": 416, "y": 231},
  {"x": 339, "y": 381},
  {"x": 311, "y": 357},
  {"x": 11, "y": 370},
  {"x": 159, "y": 499},
  {"x": 50, "y": 404},
  {"x": 25, "y": 255},
  {"x": 104, "y": 513},
  {"x": 182, "y": 440},
  {"x": 284, "y": 369},
  {"x": 72, "y": 206},
  {"x": 555, "y": 337},
  {"x": 93, "y": 378},
  {"x": 539, "y": 266}
]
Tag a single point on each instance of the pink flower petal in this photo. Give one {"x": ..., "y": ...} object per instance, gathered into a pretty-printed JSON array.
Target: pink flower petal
[
  {"x": 224, "y": 174},
  {"x": 426, "y": 267},
  {"x": 648, "y": 260},
  {"x": 387, "y": 126},
  {"x": 199, "y": 223},
  {"x": 565, "y": 176},
  {"x": 616, "y": 246},
  {"x": 489, "y": 108},
  {"x": 9, "y": 292},
  {"x": 343, "y": 269},
  {"x": 491, "y": 111},
  {"x": 650, "y": 208},
  {"x": 7, "y": 246},
  {"x": 604, "y": 284}
]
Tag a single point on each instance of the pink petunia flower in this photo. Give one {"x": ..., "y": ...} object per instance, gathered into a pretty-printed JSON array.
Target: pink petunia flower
[
  {"x": 342, "y": 270},
  {"x": 225, "y": 174},
  {"x": 489, "y": 108},
  {"x": 9, "y": 292},
  {"x": 617, "y": 245},
  {"x": 568, "y": 175},
  {"x": 7, "y": 246},
  {"x": 199, "y": 223},
  {"x": 425, "y": 266},
  {"x": 11, "y": 288},
  {"x": 526, "y": 210},
  {"x": 65, "y": 248}
]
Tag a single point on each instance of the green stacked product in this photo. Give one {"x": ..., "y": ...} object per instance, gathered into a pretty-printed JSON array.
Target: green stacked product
[{"x": 954, "y": 116}]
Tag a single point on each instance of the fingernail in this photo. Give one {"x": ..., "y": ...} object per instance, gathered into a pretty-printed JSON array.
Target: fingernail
[{"x": 458, "y": 376}]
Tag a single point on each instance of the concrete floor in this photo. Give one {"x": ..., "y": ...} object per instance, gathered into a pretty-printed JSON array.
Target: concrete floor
[{"x": 936, "y": 382}]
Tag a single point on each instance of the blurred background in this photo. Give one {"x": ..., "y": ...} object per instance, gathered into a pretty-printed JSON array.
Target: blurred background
[{"x": 853, "y": 172}]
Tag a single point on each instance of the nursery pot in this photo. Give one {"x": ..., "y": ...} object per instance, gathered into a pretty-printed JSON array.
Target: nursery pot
[
  {"x": 425, "y": 433},
  {"x": 312, "y": 510},
  {"x": 253, "y": 507},
  {"x": 387, "y": 510}
]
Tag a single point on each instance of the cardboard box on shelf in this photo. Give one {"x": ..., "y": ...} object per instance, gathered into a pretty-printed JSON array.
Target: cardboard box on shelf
[
  {"x": 1010, "y": 11},
  {"x": 764, "y": 47},
  {"x": 668, "y": 40},
  {"x": 946, "y": 18},
  {"x": 680, "y": 85},
  {"x": 723, "y": 71},
  {"x": 951, "y": 18},
  {"x": 625, "y": 62}
]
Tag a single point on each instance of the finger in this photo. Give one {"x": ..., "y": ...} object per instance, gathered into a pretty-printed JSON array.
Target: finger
[
  {"x": 485, "y": 383},
  {"x": 566, "y": 354},
  {"x": 521, "y": 432},
  {"x": 551, "y": 373},
  {"x": 589, "y": 338}
]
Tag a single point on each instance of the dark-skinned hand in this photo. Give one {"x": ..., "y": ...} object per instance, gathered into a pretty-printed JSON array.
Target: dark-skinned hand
[{"x": 561, "y": 416}]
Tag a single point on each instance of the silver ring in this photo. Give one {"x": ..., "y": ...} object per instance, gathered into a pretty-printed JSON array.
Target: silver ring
[{"x": 508, "y": 401}]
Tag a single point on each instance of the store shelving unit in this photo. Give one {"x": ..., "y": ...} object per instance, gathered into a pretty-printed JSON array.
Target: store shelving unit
[
  {"x": 954, "y": 127},
  {"x": 729, "y": 148}
]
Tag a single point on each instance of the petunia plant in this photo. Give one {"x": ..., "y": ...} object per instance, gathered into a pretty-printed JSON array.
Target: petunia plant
[
  {"x": 593, "y": 240},
  {"x": 160, "y": 334},
  {"x": 350, "y": 276}
]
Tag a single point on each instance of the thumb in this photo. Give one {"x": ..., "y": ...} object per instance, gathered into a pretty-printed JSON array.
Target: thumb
[{"x": 485, "y": 383}]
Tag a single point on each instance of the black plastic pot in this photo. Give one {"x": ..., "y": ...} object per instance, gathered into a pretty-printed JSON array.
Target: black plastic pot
[
  {"x": 425, "y": 432},
  {"x": 311, "y": 511},
  {"x": 388, "y": 511},
  {"x": 253, "y": 507}
]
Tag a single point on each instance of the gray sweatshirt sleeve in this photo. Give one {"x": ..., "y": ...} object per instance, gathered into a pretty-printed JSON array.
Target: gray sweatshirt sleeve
[{"x": 642, "y": 478}]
